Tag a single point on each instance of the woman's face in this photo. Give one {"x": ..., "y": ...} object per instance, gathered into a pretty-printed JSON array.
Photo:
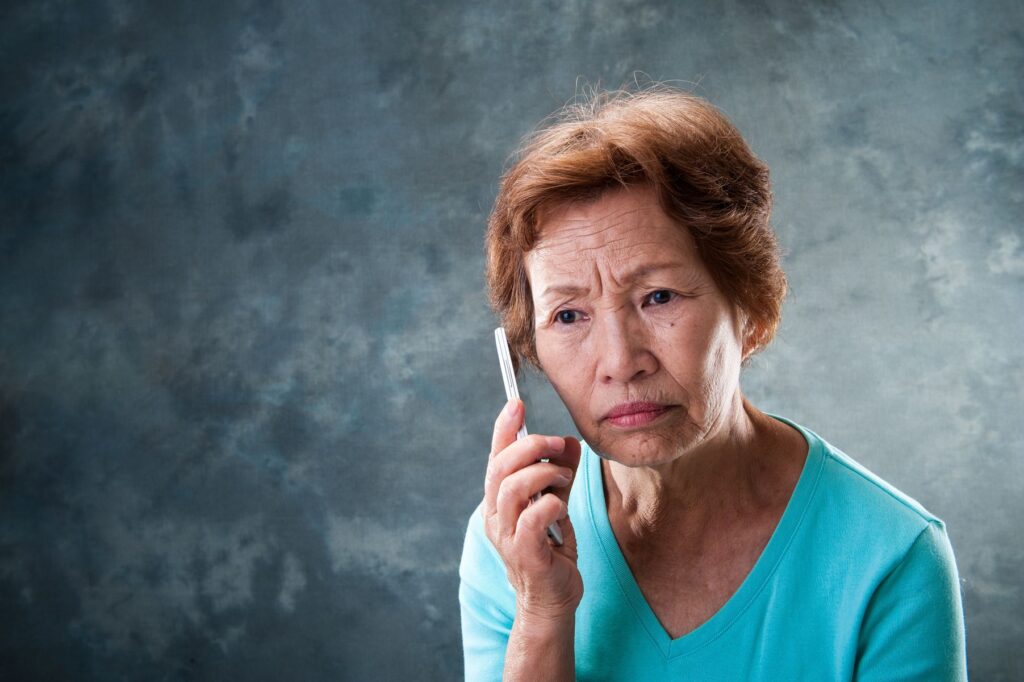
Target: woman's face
[{"x": 625, "y": 311}]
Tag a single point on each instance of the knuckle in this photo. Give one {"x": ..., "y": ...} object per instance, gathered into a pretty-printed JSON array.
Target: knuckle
[
  {"x": 494, "y": 532},
  {"x": 554, "y": 503},
  {"x": 506, "y": 492},
  {"x": 528, "y": 521},
  {"x": 496, "y": 471}
]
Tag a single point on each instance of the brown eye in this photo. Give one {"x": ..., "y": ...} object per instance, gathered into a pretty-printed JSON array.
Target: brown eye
[
  {"x": 566, "y": 316},
  {"x": 661, "y": 296}
]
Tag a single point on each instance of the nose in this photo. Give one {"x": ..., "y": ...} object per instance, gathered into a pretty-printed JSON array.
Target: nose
[{"x": 624, "y": 348}]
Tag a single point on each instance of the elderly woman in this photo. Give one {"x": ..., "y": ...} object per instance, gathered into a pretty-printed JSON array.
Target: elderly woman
[{"x": 631, "y": 260}]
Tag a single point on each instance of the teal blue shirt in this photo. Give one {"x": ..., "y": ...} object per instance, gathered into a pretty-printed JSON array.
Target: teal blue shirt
[{"x": 858, "y": 581}]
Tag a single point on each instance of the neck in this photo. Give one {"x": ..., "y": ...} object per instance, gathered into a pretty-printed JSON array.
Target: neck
[{"x": 735, "y": 471}]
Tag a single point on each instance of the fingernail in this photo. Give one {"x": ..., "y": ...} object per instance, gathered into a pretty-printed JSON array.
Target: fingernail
[
  {"x": 511, "y": 408},
  {"x": 556, "y": 443}
]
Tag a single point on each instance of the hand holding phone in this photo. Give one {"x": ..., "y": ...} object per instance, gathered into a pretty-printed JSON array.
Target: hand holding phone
[
  {"x": 526, "y": 510},
  {"x": 508, "y": 375}
]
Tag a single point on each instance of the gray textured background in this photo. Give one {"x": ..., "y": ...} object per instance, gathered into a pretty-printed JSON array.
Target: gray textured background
[{"x": 247, "y": 377}]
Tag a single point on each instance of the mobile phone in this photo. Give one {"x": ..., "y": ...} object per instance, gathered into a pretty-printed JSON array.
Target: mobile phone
[{"x": 508, "y": 376}]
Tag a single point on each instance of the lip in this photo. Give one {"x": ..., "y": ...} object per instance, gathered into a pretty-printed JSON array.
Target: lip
[{"x": 635, "y": 414}]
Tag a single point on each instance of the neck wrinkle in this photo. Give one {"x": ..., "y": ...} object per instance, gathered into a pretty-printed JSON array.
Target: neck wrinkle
[{"x": 723, "y": 480}]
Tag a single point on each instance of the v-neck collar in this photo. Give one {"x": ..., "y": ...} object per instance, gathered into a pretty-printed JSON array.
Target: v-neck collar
[{"x": 751, "y": 586}]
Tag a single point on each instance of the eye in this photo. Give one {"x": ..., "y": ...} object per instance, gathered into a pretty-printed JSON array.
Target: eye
[
  {"x": 661, "y": 296},
  {"x": 566, "y": 316}
]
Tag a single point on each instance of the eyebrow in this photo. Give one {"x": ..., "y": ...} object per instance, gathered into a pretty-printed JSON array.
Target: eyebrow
[{"x": 632, "y": 276}]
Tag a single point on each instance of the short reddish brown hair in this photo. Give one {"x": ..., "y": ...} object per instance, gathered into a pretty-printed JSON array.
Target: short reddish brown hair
[{"x": 705, "y": 177}]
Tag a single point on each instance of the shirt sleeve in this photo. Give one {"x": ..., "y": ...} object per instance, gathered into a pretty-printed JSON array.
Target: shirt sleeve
[
  {"x": 487, "y": 602},
  {"x": 913, "y": 626}
]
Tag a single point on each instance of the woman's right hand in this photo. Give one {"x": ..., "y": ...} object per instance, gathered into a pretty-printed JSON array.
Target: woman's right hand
[{"x": 547, "y": 582}]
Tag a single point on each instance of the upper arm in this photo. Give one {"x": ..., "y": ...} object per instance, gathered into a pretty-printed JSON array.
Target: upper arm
[
  {"x": 913, "y": 626},
  {"x": 487, "y": 604}
]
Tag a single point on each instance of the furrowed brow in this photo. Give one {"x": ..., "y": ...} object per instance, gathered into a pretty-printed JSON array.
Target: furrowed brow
[{"x": 638, "y": 273}]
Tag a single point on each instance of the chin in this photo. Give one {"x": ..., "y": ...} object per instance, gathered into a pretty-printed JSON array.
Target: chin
[{"x": 638, "y": 448}]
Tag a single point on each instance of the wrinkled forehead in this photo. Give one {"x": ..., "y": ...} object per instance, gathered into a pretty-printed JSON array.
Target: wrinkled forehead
[{"x": 619, "y": 228}]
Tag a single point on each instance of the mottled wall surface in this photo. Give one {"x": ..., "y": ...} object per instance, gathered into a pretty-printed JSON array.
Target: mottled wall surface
[{"x": 247, "y": 378}]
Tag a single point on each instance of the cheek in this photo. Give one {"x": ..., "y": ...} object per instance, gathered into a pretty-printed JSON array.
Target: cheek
[
  {"x": 707, "y": 356},
  {"x": 565, "y": 368},
  {"x": 695, "y": 341},
  {"x": 555, "y": 363},
  {"x": 723, "y": 360},
  {"x": 557, "y": 349},
  {"x": 545, "y": 353}
]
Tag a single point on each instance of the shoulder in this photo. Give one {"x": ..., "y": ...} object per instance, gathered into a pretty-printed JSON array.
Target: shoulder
[
  {"x": 895, "y": 578},
  {"x": 856, "y": 484},
  {"x": 858, "y": 508}
]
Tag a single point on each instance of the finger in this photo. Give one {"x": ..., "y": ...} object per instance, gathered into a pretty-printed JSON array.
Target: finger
[
  {"x": 519, "y": 455},
  {"x": 568, "y": 536},
  {"x": 517, "y": 490},
  {"x": 506, "y": 426},
  {"x": 531, "y": 535}
]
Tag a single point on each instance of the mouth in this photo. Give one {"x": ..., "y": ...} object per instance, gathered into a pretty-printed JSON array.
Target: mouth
[{"x": 636, "y": 414}]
